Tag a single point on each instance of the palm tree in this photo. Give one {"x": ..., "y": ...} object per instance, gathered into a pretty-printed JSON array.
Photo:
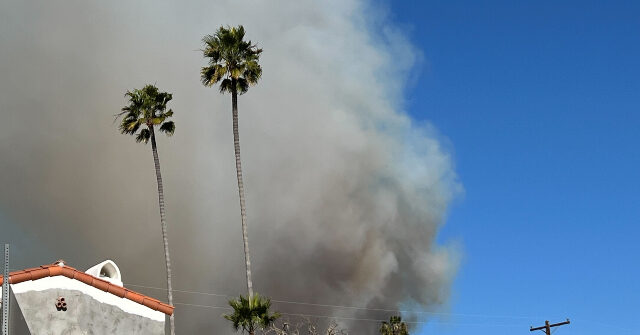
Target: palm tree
[
  {"x": 251, "y": 314},
  {"x": 394, "y": 327},
  {"x": 233, "y": 62},
  {"x": 147, "y": 110}
]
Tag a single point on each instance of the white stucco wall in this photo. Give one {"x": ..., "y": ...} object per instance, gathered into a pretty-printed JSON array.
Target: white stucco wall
[{"x": 62, "y": 282}]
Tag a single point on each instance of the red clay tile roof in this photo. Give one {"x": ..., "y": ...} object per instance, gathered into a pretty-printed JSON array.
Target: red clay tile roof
[{"x": 52, "y": 270}]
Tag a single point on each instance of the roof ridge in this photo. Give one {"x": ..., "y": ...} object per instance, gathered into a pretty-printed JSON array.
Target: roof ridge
[{"x": 54, "y": 269}]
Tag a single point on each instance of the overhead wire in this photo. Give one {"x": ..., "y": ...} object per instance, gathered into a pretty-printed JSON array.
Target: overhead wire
[
  {"x": 355, "y": 319},
  {"x": 347, "y": 307}
]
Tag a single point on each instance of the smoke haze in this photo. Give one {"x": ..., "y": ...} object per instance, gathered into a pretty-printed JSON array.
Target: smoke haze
[{"x": 344, "y": 194}]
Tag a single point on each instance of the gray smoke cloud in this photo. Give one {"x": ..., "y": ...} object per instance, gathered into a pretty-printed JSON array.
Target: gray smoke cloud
[{"x": 345, "y": 195}]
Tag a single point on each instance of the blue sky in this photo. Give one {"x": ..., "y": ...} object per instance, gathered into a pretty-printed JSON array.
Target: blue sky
[{"x": 540, "y": 102}]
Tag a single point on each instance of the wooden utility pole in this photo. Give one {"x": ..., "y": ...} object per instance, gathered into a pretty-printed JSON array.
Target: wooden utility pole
[{"x": 547, "y": 326}]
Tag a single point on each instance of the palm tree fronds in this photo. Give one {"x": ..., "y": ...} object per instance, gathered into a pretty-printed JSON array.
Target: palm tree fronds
[
  {"x": 226, "y": 86},
  {"x": 230, "y": 57},
  {"x": 143, "y": 136},
  {"x": 395, "y": 326},
  {"x": 251, "y": 314},
  {"x": 147, "y": 106},
  {"x": 211, "y": 75},
  {"x": 132, "y": 127},
  {"x": 168, "y": 128},
  {"x": 242, "y": 86},
  {"x": 252, "y": 72}
]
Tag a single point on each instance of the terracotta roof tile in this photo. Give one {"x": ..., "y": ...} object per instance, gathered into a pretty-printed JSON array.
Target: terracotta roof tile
[
  {"x": 137, "y": 297},
  {"x": 117, "y": 290},
  {"x": 53, "y": 270}
]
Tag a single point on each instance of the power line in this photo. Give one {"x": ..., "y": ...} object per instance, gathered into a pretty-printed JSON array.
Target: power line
[
  {"x": 345, "y": 307},
  {"x": 204, "y": 306},
  {"x": 357, "y": 319},
  {"x": 183, "y": 291}
]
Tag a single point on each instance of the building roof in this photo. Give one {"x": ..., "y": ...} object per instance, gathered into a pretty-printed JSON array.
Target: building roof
[{"x": 60, "y": 269}]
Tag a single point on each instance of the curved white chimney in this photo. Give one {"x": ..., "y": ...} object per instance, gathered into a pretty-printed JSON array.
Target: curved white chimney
[{"x": 107, "y": 270}]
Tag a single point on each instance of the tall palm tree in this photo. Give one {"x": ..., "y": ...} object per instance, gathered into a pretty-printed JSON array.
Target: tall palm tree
[
  {"x": 147, "y": 109},
  {"x": 251, "y": 314},
  {"x": 233, "y": 62},
  {"x": 395, "y": 327}
]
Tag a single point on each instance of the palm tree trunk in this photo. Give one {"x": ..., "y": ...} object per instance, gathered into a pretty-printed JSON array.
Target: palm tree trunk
[
  {"x": 163, "y": 222},
  {"x": 243, "y": 214}
]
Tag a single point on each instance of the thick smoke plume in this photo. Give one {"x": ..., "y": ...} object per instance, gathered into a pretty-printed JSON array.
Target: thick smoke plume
[{"x": 345, "y": 196}]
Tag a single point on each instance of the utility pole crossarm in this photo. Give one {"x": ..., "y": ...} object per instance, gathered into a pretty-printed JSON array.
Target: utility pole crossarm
[
  {"x": 547, "y": 327},
  {"x": 560, "y": 323}
]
